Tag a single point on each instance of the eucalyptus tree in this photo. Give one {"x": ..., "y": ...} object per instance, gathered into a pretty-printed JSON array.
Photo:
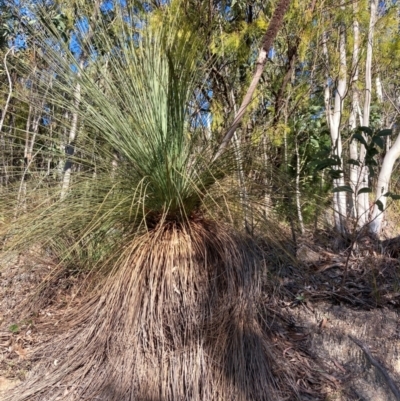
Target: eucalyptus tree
[
  {"x": 334, "y": 115},
  {"x": 380, "y": 16},
  {"x": 388, "y": 106},
  {"x": 348, "y": 42}
]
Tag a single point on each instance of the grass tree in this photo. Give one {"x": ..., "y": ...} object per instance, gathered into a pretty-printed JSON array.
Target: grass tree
[{"x": 175, "y": 315}]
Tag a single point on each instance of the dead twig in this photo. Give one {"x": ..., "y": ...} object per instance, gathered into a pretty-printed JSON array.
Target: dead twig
[{"x": 377, "y": 365}]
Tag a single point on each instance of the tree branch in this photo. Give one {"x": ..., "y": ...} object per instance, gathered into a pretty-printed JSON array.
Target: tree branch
[
  {"x": 273, "y": 28},
  {"x": 378, "y": 366},
  {"x": 4, "y": 112}
]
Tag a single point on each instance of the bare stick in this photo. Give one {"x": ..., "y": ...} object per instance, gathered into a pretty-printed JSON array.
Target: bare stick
[
  {"x": 381, "y": 369},
  {"x": 3, "y": 114}
]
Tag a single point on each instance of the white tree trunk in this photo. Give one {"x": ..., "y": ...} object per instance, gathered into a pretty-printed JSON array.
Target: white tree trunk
[
  {"x": 382, "y": 186},
  {"x": 10, "y": 89},
  {"x": 368, "y": 63},
  {"x": 379, "y": 90},
  {"x": 71, "y": 139},
  {"x": 355, "y": 107},
  {"x": 298, "y": 193},
  {"x": 334, "y": 118},
  {"x": 267, "y": 195},
  {"x": 327, "y": 92},
  {"x": 363, "y": 199}
]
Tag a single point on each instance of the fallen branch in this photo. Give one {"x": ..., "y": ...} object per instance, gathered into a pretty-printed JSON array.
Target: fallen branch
[{"x": 377, "y": 365}]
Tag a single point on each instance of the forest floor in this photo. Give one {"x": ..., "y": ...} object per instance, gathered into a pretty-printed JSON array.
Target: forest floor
[{"x": 340, "y": 311}]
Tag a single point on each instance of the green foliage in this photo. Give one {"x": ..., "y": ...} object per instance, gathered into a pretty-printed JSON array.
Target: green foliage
[
  {"x": 139, "y": 157},
  {"x": 364, "y": 190},
  {"x": 8, "y": 24},
  {"x": 392, "y": 196},
  {"x": 14, "y": 328},
  {"x": 372, "y": 141},
  {"x": 343, "y": 188},
  {"x": 380, "y": 205}
]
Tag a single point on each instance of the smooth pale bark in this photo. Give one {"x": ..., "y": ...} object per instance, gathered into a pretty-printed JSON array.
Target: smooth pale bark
[
  {"x": 70, "y": 148},
  {"x": 273, "y": 28},
  {"x": 298, "y": 193},
  {"x": 379, "y": 96},
  {"x": 334, "y": 118},
  {"x": 386, "y": 171},
  {"x": 327, "y": 92},
  {"x": 267, "y": 183},
  {"x": 64, "y": 135},
  {"x": 28, "y": 158},
  {"x": 383, "y": 186},
  {"x": 359, "y": 175},
  {"x": 368, "y": 63},
  {"x": 22, "y": 187},
  {"x": 379, "y": 90},
  {"x": 363, "y": 199},
  {"x": 10, "y": 89},
  {"x": 335, "y": 133},
  {"x": 355, "y": 106},
  {"x": 27, "y": 131}
]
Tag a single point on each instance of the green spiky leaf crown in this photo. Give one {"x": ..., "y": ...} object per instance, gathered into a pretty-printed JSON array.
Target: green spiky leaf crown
[{"x": 138, "y": 156}]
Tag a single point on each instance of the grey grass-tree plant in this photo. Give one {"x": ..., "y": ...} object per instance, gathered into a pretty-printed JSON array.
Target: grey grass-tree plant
[{"x": 176, "y": 312}]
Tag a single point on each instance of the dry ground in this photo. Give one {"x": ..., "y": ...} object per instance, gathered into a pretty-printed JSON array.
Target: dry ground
[{"x": 316, "y": 305}]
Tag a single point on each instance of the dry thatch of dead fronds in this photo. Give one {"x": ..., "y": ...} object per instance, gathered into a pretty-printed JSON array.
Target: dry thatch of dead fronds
[{"x": 177, "y": 320}]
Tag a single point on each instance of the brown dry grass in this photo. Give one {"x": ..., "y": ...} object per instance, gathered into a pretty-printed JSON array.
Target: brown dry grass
[{"x": 178, "y": 319}]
